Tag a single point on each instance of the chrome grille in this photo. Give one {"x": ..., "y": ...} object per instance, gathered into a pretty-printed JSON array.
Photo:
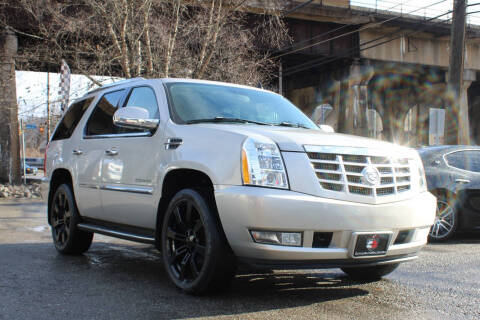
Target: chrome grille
[{"x": 345, "y": 173}]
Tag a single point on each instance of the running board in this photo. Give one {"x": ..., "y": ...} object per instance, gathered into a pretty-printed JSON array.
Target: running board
[{"x": 115, "y": 233}]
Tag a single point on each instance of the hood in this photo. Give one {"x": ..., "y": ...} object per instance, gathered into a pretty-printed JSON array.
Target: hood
[{"x": 293, "y": 139}]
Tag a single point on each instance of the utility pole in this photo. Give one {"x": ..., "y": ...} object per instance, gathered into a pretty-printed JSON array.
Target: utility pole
[
  {"x": 454, "y": 134},
  {"x": 48, "y": 106},
  {"x": 9, "y": 142}
]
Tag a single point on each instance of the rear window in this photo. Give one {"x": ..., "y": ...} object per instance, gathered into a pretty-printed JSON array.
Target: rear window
[{"x": 70, "y": 119}]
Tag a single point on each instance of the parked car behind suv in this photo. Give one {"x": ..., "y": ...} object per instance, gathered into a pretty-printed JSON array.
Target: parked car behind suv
[
  {"x": 453, "y": 175},
  {"x": 216, "y": 174}
]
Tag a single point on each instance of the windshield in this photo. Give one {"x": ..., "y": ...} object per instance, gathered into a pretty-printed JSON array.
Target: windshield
[{"x": 198, "y": 102}]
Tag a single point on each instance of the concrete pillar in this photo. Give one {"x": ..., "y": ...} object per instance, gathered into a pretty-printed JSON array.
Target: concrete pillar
[
  {"x": 464, "y": 136},
  {"x": 354, "y": 90},
  {"x": 9, "y": 142}
]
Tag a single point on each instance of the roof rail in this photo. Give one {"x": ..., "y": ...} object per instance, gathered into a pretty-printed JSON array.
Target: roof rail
[{"x": 114, "y": 84}]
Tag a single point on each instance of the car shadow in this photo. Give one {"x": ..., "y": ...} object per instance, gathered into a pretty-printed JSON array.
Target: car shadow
[{"x": 119, "y": 280}]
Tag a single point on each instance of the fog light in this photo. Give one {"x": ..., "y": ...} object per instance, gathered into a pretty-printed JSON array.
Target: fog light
[{"x": 279, "y": 238}]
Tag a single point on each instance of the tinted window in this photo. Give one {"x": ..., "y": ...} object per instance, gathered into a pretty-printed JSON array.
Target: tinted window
[
  {"x": 144, "y": 97},
  {"x": 195, "y": 101},
  {"x": 141, "y": 97},
  {"x": 71, "y": 119},
  {"x": 466, "y": 160},
  {"x": 101, "y": 120}
]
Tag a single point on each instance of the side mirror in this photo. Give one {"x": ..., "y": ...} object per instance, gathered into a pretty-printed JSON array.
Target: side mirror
[
  {"x": 134, "y": 118},
  {"x": 326, "y": 128}
]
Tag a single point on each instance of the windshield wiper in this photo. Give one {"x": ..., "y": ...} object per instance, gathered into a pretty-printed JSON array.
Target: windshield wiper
[
  {"x": 224, "y": 119},
  {"x": 290, "y": 124}
]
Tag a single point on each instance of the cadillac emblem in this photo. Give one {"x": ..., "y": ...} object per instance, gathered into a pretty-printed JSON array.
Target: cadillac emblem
[{"x": 370, "y": 176}]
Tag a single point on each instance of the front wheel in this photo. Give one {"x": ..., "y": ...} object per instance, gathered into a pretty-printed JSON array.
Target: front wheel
[
  {"x": 195, "y": 254},
  {"x": 64, "y": 217},
  {"x": 446, "y": 219},
  {"x": 370, "y": 273}
]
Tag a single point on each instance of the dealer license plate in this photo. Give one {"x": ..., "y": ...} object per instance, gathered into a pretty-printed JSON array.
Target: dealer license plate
[{"x": 373, "y": 244}]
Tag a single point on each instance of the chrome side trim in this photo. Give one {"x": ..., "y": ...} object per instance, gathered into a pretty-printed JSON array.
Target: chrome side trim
[
  {"x": 88, "y": 185},
  {"x": 115, "y": 233},
  {"x": 142, "y": 190},
  {"x": 120, "y": 135}
]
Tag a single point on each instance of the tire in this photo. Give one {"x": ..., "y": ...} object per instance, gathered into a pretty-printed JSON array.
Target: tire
[
  {"x": 370, "y": 273},
  {"x": 446, "y": 219},
  {"x": 194, "y": 250},
  {"x": 64, "y": 217}
]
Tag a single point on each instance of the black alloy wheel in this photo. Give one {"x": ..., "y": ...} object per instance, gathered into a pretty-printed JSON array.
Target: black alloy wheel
[
  {"x": 186, "y": 242},
  {"x": 63, "y": 220},
  {"x": 195, "y": 254}
]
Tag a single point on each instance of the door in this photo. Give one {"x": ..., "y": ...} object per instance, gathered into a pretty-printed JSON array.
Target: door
[
  {"x": 466, "y": 180},
  {"x": 88, "y": 152},
  {"x": 130, "y": 166}
]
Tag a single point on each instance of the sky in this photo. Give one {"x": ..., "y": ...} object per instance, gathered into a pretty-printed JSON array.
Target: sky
[
  {"x": 32, "y": 91},
  {"x": 423, "y": 8}
]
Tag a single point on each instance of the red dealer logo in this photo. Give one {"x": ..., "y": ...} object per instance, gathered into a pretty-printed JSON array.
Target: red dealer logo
[{"x": 372, "y": 242}]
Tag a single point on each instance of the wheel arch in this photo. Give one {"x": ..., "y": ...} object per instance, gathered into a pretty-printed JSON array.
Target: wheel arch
[
  {"x": 183, "y": 178},
  {"x": 59, "y": 176}
]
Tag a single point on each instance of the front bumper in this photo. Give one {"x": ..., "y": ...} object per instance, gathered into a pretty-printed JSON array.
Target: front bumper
[{"x": 252, "y": 208}]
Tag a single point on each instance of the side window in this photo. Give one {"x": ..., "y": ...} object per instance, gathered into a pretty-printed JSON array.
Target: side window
[
  {"x": 101, "y": 120},
  {"x": 70, "y": 119},
  {"x": 465, "y": 160},
  {"x": 145, "y": 98},
  {"x": 142, "y": 97}
]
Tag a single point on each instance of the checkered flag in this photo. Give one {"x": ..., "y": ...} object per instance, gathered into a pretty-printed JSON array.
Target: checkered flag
[{"x": 64, "y": 91}]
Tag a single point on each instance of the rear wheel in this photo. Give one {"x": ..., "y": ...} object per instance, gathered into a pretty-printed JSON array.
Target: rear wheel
[
  {"x": 446, "y": 219},
  {"x": 370, "y": 273},
  {"x": 195, "y": 254},
  {"x": 68, "y": 239}
]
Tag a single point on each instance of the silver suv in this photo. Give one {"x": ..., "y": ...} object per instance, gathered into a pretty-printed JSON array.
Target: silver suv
[{"x": 215, "y": 175}]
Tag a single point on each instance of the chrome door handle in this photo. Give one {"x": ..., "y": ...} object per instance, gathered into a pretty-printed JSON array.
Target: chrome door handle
[
  {"x": 462, "y": 181},
  {"x": 111, "y": 152},
  {"x": 77, "y": 152}
]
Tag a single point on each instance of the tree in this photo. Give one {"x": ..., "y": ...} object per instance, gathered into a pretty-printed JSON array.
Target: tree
[{"x": 209, "y": 39}]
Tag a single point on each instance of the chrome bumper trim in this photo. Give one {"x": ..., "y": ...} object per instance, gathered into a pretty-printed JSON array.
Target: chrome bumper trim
[{"x": 324, "y": 264}]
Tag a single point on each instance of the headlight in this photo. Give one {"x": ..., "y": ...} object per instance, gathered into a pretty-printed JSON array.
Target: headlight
[
  {"x": 422, "y": 181},
  {"x": 420, "y": 174},
  {"x": 262, "y": 164}
]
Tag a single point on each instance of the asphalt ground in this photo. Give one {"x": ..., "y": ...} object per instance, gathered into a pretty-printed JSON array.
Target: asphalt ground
[{"x": 118, "y": 279}]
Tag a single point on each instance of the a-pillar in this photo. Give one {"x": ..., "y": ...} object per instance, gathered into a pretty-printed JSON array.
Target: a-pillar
[
  {"x": 352, "y": 117},
  {"x": 9, "y": 142}
]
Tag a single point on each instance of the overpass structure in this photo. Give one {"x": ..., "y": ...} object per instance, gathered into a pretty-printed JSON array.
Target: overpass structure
[
  {"x": 380, "y": 64},
  {"x": 383, "y": 71}
]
